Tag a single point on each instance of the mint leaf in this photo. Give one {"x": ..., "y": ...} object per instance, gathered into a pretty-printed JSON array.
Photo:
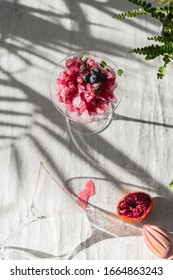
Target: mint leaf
[
  {"x": 171, "y": 185},
  {"x": 96, "y": 70},
  {"x": 103, "y": 63},
  {"x": 119, "y": 72},
  {"x": 84, "y": 57},
  {"x": 83, "y": 67},
  {"x": 96, "y": 89}
]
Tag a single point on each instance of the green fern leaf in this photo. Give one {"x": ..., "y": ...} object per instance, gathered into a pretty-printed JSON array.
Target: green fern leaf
[
  {"x": 161, "y": 39},
  {"x": 129, "y": 14}
]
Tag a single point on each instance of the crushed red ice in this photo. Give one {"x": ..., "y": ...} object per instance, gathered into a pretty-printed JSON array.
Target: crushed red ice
[
  {"x": 79, "y": 96},
  {"x": 85, "y": 193}
]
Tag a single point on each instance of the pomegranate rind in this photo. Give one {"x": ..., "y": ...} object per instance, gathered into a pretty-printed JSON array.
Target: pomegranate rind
[{"x": 143, "y": 211}]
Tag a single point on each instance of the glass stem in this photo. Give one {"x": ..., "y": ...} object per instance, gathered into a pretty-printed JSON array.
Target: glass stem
[{"x": 30, "y": 219}]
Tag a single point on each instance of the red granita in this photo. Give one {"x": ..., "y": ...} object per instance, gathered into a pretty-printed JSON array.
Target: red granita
[
  {"x": 85, "y": 193},
  {"x": 86, "y": 86}
]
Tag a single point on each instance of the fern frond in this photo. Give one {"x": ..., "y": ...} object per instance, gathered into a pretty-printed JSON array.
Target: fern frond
[
  {"x": 146, "y": 8},
  {"x": 130, "y": 14},
  {"x": 161, "y": 39},
  {"x": 164, "y": 13},
  {"x": 168, "y": 27},
  {"x": 161, "y": 72},
  {"x": 162, "y": 69},
  {"x": 154, "y": 50}
]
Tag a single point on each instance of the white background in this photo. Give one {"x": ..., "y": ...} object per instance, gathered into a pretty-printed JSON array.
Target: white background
[{"x": 136, "y": 148}]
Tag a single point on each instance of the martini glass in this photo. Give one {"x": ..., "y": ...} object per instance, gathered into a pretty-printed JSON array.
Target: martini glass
[
  {"x": 87, "y": 123},
  {"x": 48, "y": 230}
]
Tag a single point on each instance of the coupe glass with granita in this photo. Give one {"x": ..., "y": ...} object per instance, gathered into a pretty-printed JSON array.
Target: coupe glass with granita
[{"x": 86, "y": 87}]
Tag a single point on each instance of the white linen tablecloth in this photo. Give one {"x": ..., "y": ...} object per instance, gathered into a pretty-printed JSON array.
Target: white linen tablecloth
[{"x": 137, "y": 146}]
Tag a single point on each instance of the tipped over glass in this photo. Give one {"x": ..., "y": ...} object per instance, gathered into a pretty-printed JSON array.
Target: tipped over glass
[{"x": 86, "y": 87}]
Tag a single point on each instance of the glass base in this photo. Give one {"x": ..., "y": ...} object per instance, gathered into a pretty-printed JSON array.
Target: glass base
[{"x": 90, "y": 128}]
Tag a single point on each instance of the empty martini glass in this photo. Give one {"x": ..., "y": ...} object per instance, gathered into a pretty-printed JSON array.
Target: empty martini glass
[
  {"x": 86, "y": 87},
  {"x": 47, "y": 231}
]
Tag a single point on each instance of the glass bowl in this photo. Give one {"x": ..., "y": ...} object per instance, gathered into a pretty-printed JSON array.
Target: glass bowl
[{"x": 86, "y": 121}]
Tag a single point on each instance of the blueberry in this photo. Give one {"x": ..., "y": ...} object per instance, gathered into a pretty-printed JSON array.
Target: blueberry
[
  {"x": 94, "y": 78},
  {"x": 95, "y": 70},
  {"x": 86, "y": 77},
  {"x": 103, "y": 78}
]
